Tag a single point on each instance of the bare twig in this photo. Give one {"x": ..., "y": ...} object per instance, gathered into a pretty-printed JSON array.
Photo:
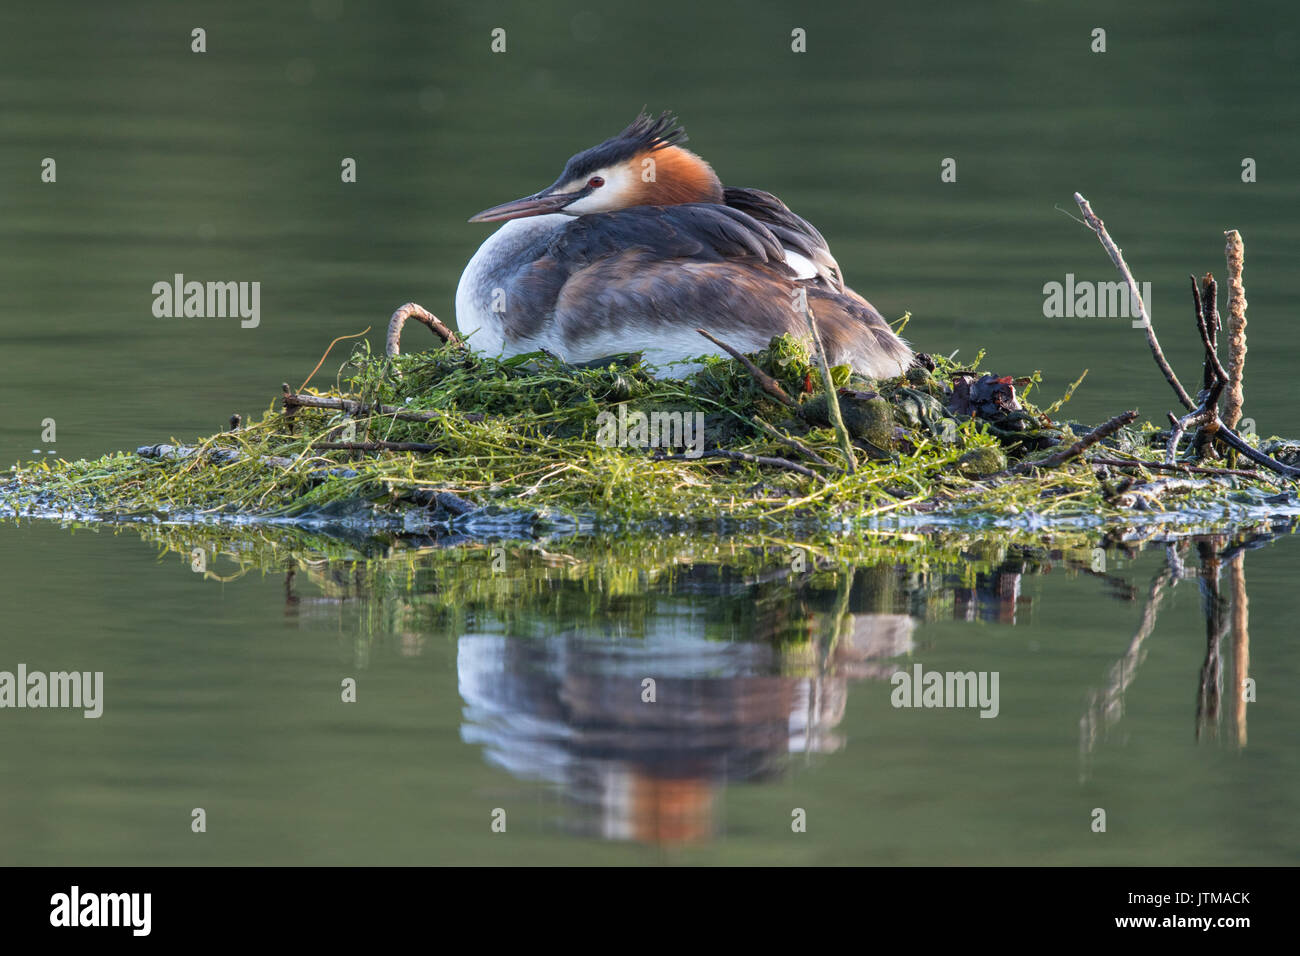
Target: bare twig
[
  {"x": 356, "y": 335},
  {"x": 1206, "y": 414},
  {"x": 766, "y": 382},
  {"x": 412, "y": 310},
  {"x": 1180, "y": 467},
  {"x": 295, "y": 399},
  {"x": 1237, "y": 443},
  {"x": 832, "y": 397},
  {"x": 1206, "y": 300},
  {"x": 1200, "y": 416},
  {"x": 1106, "y": 705},
  {"x": 1117, "y": 257},
  {"x": 1208, "y": 324},
  {"x": 1104, "y": 430},
  {"x": 794, "y": 443},
  {"x": 1217, "y": 428}
]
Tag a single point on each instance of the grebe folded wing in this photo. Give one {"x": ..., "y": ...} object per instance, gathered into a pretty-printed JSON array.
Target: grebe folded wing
[{"x": 794, "y": 232}]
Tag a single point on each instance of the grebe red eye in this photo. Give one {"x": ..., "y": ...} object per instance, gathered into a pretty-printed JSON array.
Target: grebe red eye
[{"x": 595, "y": 182}]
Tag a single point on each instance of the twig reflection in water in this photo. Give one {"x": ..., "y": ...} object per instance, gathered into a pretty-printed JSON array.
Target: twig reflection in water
[{"x": 1106, "y": 705}]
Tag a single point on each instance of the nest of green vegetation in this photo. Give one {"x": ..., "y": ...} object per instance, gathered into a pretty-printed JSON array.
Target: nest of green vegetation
[{"x": 451, "y": 436}]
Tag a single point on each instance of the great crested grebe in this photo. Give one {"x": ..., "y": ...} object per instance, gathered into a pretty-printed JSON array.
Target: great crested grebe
[{"x": 638, "y": 244}]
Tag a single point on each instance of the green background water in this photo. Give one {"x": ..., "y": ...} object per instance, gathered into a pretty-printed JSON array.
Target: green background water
[{"x": 225, "y": 166}]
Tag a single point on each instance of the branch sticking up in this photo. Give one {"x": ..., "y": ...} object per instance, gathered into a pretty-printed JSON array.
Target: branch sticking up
[
  {"x": 412, "y": 310},
  {"x": 1117, "y": 257}
]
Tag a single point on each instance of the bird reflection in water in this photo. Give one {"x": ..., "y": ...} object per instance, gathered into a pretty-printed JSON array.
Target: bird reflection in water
[
  {"x": 747, "y": 670},
  {"x": 648, "y": 760}
]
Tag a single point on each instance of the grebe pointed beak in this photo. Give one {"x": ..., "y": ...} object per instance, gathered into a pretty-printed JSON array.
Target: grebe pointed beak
[{"x": 538, "y": 204}]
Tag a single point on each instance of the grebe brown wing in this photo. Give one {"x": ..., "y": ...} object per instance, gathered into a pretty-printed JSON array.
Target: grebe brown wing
[
  {"x": 793, "y": 231},
  {"x": 633, "y": 302},
  {"x": 626, "y": 240}
]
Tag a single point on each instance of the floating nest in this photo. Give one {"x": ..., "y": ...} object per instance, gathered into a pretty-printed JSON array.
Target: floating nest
[{"x": 453, "y": 437}]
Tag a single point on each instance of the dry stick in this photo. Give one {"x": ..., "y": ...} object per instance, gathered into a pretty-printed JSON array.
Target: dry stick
[
  {"x": 1239, "y": 444},
  {"x": 1208, "y": 324},
  {"x": 1197, "y": 416},
  {"x": 1222, "y": 432},
  {"x": 832, "y": 398},
  {"x": 794, "y": 443},
  {"x": 765, "y": 381},
  {"x": 356, "y": 335},
  {"x": 1117, "y": 257},
  {"x": 1180, "y": 467},
  {"x": 1104, "y": 430},
  {"x": 1106, "y": 706},
  {"x": 752, "y": 459},
  {"x": 292, "y": 399},
  {"x": 393, "y": 348},
  {"x": 1236, "y": 255},
  {"x": 1206, "y": 414}
]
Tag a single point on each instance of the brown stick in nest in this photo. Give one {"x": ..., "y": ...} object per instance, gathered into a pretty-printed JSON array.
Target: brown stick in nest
[
  {"x": 766, "y": 382},
  {"x": 832, "y": 396},
  {"x": 413, "y": 310},
  {"x": 795, "y": 444},
  {"x": 1206, "y": 415},
  {"x": 1181, "y": 467},
  {"x": 1055, "y": 460},
  {"x": 1220, "y": 430}
]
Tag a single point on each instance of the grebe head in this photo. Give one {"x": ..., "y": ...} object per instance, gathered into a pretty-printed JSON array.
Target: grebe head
[{"x": 642, "y": 166}]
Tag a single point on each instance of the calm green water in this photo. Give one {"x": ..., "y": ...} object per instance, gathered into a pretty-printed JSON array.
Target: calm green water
[{"x": 519, "y": 688}]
